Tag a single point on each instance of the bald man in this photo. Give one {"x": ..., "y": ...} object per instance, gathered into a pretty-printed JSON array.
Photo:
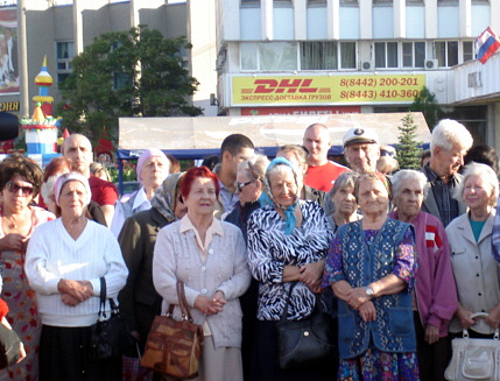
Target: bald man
[
  {"x": 78, "y": 149},
  {"x": 322, "y": 172}
]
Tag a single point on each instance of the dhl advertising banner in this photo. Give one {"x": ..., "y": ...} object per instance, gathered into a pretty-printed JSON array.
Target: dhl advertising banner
[{"x": 355, "y": 89}]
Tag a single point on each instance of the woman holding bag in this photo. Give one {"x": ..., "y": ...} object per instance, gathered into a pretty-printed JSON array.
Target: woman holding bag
[
  {"x": 288, "y": 241},
  {"x": 475, "y": 269},
  {"x": 209, "y": 256},
  {"x": 64, "y": 263}
]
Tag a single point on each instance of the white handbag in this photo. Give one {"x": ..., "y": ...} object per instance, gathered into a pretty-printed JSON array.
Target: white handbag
[{"x": 474, "y": 359}]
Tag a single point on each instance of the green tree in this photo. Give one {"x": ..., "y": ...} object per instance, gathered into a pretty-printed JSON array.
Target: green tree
[
  {"x": 408, "y": 149},
  {"x": 130, "y": 73},
  {"x": 426, "y": 102}
]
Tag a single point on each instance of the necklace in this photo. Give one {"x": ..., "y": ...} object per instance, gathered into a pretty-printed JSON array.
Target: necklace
[{"x": 11, "y": 224}]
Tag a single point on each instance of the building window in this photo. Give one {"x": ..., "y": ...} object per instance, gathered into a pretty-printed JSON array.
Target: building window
[
  {"x": 446, "y": 53},
  {"x": 386, "y": 54},
  {"x": 319, "y": 56},
  {"x": 65, "y": 51},
  {"x": 413, "y": 54},
  {"x": 354, "y": 2},
  {"x": 329, "y": 55},
  {"x": 468, "y": 51},
  {"x": 375, "y": 2},
  {"x": 250, "y": 2},
  {"x": 316, "y": 2},
  {"x": 271, "y": 56}
]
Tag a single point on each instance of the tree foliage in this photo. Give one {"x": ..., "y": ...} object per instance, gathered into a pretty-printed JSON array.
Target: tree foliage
[
  {"x": 408, "y": 149},
  {"x": 426, "y": 102},
  {"x": 130, "y": 73}
]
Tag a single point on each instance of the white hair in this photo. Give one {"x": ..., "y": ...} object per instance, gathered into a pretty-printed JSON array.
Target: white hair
[
  {"x": 483, "y": 171},
  {"x": 407, "y": 175},
  {"x": 448, "y": 132}
]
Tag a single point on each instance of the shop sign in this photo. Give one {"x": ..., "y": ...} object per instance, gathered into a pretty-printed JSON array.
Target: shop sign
[
  {"x": 354, "y": 89},
  {"x": 9, "y": 106}
]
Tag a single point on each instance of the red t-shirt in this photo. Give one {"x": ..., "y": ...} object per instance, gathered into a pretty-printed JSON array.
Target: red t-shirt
[
  {"x": 103, "y": 192},
  {"x": 323, "y": 176}
]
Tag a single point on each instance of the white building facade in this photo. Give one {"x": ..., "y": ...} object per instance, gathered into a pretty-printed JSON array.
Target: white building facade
[{"x": 337, "y": 56}]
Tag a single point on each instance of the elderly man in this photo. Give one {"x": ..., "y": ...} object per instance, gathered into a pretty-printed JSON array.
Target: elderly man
[
  {"x": 78, "y": 149},
  {"x": 361, "y": 149},
  {"x": 450, "y": 141},
  {"x": 297, "y": 155},
  {"x": 235, "y": 149},
  {"x": 435, "y": 289},
  {"x": 321, "y": 173}
]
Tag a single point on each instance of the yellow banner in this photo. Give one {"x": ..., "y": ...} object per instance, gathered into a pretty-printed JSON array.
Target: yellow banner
[{"x": 326, "y": 90}]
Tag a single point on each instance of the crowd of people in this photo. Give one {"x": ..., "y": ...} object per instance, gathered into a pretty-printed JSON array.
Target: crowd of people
[{"x": 401, "y": 260}]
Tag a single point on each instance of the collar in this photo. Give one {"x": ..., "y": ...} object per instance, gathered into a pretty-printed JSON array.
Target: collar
[
  {"x": 140, "y": 198},
  {"x": 214, "y": 228}
]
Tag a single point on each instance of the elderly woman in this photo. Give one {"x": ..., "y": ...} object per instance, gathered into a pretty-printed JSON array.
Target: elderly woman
[
  {"x": 57, "y": 167},
  {"x": 209, "y": 256},
  {"x": 474, "y": 267},
  {"x": 371, "y": 269},
  {"x": 20, "y": 181},
  {"x": 64, "y": 263},
  {"x": 139, "y": 301},
  {"x": 435, "y": 286},
  {"x": 340, "y": 203},
  {"x": 152, "y": 169},
  {"x": 297, "y": 156},
  {"x": 287, "y": 242}
]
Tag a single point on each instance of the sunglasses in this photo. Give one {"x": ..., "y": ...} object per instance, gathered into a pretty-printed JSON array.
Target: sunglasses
[
  {"x": 240, "y": 186},
  {"x": 14, "y": 188}
]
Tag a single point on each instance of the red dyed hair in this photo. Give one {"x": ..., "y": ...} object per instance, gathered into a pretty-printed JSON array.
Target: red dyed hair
[
  {"x": 59, "y": 164},
  {"x": 193, "y": 173}
]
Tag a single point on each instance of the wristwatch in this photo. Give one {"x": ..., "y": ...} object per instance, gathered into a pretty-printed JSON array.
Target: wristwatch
[{"x": 369, "y": 293}]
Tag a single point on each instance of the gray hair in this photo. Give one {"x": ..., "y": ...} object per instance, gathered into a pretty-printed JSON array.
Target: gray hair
[
  {"x": 483, "y": 171},
  {"x": 448, "y": 132},
  {"x": 256, "y": 166},
  {"x": 407, "y": 175},
  {"x": 346, "y": 179}
]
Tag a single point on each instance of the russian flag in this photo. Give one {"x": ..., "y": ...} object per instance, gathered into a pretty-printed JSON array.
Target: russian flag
[{"x": 486, "y": 44}]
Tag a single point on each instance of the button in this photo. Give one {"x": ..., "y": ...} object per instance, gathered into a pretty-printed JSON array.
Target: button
[
  {"x": 477, "y": 257},
  {"x": 210, "y": 251},
  {"x": 203, "y": 268},
  {"x": 204, "y": 291},
  {"x": 477, "y": 275},
  {"x": 480, "y": 294}
]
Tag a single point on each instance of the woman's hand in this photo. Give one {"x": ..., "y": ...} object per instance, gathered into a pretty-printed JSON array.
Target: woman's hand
[
  {"x": 493, "y": 318},
  {"x": 14, "y": 242},
  {"x": 367, "y": 312},
  {"x": 311, "y": 274},
  {"x": 357, "y": 297},
  {"x": 79, "y": 290},
  {"x": 431, "y": 334},
  {"x": 464, "y": 318},
  {"x": 208, "y": 306}
]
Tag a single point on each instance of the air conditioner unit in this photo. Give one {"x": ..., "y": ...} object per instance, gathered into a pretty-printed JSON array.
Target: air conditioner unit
[
  {"x": 431, "y": 64},
  {"x": 367, "y": 66}
]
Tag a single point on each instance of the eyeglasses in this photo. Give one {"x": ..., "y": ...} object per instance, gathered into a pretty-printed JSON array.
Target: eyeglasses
[
  {"x": 240, "y": 186},
  {"x": 14, "y": 188}
]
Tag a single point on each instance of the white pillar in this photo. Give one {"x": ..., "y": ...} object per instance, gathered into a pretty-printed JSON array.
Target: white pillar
[
  {"x": 465, "y": 16},
  {"x": 300, "y": 19},
  {"x": 431, "y": 19},
  {"x": 22, "y": 55},
  {"x": 365, "y": 22},
  {"x": 267, "y": 21},
  {"x": 399, "y": 12},
  {"x": 333, "y": 17}
]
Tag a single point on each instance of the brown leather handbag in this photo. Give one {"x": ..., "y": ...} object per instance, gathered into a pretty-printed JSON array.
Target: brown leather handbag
[{"x": 174, "y": 347}]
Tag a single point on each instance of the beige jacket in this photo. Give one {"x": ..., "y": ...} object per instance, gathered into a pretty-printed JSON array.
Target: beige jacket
[{"x": 476, "y": 271}]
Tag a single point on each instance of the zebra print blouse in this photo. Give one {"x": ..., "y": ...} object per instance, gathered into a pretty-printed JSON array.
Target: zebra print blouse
[{"x": 270, "y": 249}]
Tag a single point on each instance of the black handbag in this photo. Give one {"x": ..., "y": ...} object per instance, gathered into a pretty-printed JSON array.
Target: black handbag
[
  {"x": 10, "y": 347},
  {"x": 111, "y": 337},
  {"x": 306, "y": 341}
]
